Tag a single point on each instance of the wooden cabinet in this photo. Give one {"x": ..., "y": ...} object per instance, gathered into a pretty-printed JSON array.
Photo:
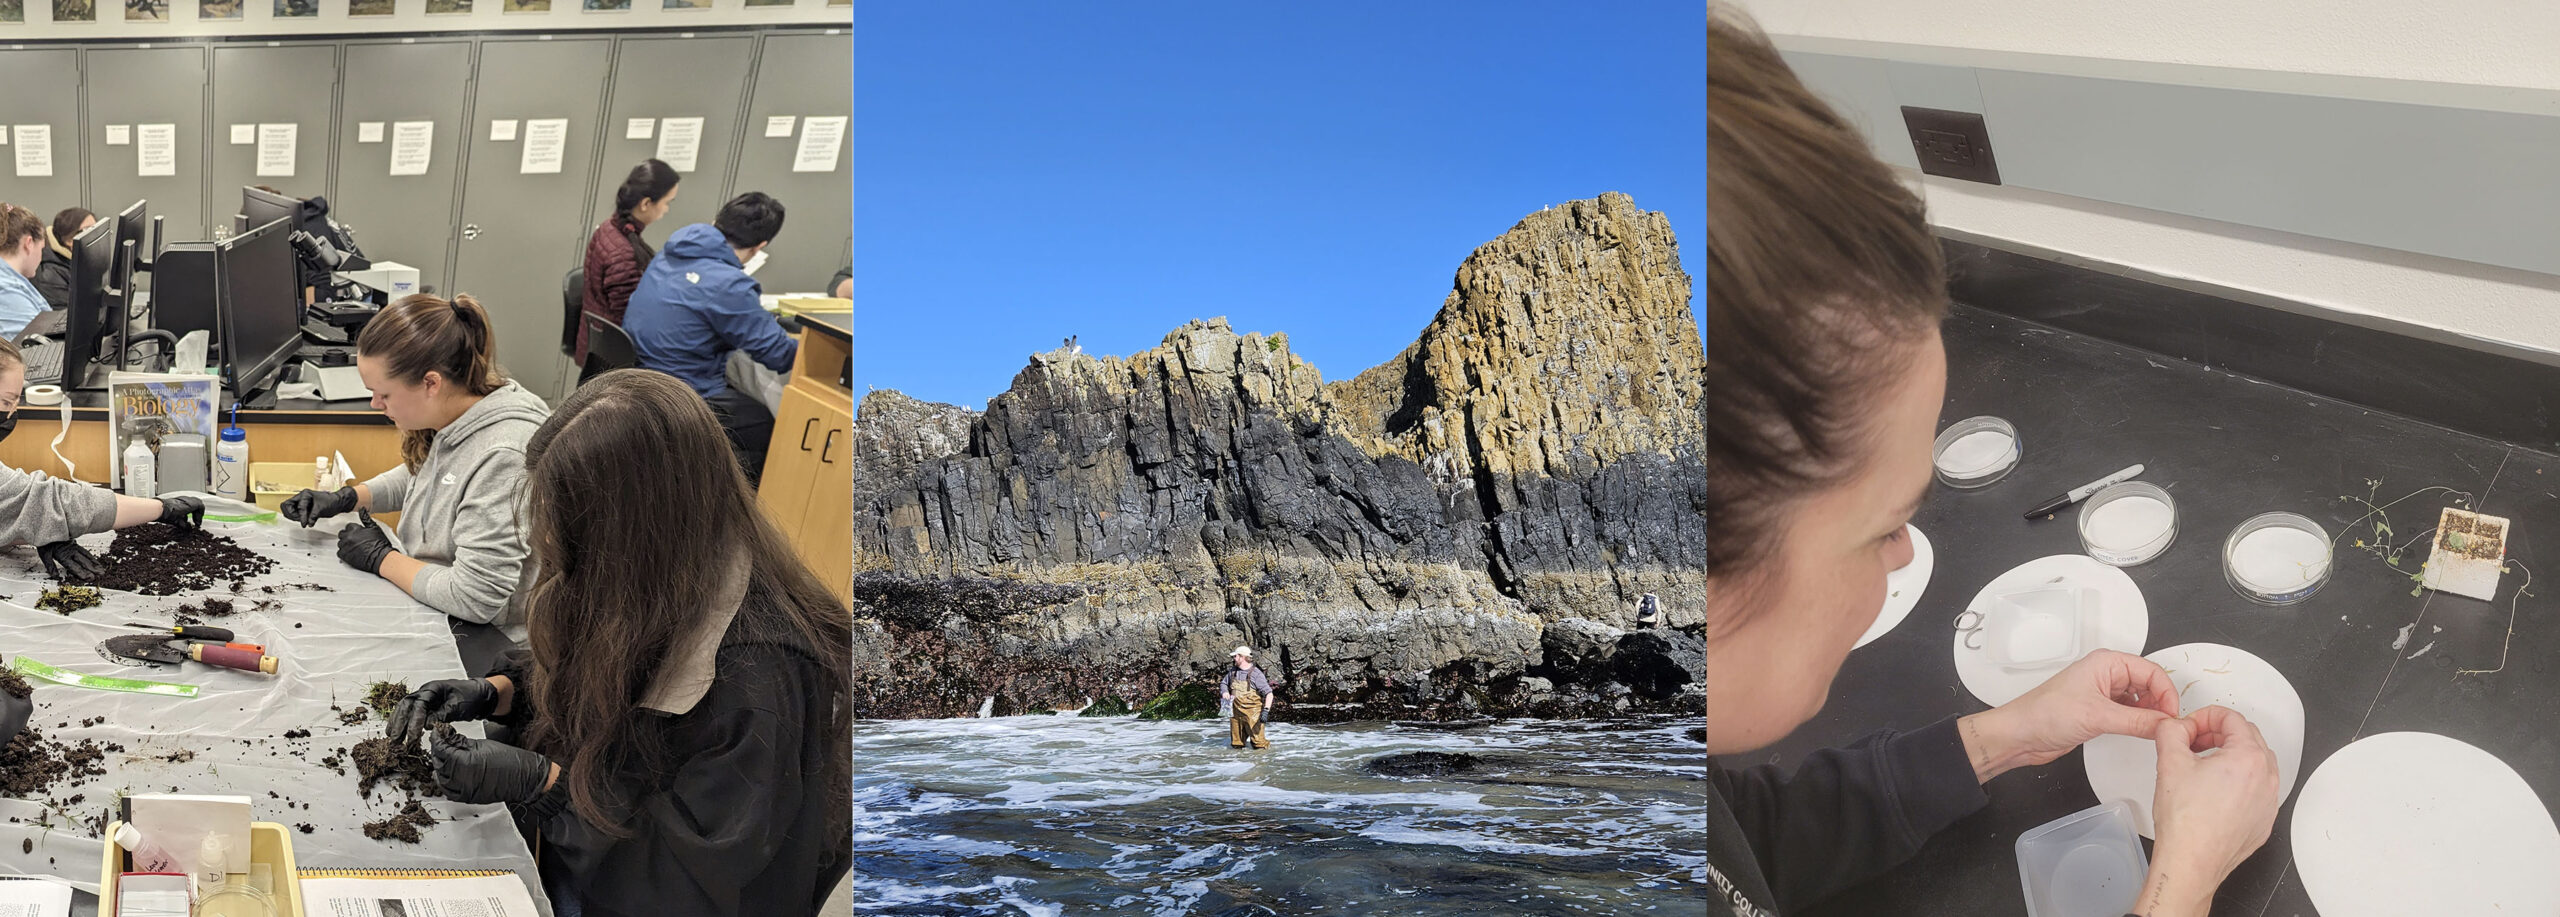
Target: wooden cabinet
[{"x": 807, "y": 489}]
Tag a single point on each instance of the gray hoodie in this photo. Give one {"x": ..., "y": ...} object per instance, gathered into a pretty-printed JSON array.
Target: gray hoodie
[
  {"x": 458, "y": 510},
  {"x": 41, "y": 511}
]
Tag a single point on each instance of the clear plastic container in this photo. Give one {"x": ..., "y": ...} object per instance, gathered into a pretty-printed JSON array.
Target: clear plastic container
[
  {"x": 2128, "y": 523},
  {"x": 1976, "y": 451},
  {"x": 2277, "y": 558},
  {"x": 2041, "y": 628},
  {"x": 2086, "y": 864}
]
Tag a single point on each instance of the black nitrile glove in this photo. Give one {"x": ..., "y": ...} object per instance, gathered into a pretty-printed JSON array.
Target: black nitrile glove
[
  {"x": 14, "y": 711},
  {"x": 482, "y": 771},
  {"x": 68, "y": 561},
  {"x": 364, "y": 545},
  {"x": 311, "y": 506},
  {"x": 183, "y": 512},
  {"x": 447, "y": 701}
]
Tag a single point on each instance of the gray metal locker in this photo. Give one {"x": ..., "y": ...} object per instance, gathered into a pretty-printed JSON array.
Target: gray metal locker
[
  {"x": 57, "y": 106},
  {"x": 524, "y": 233},
  {"x": 698, "y": 77},
  {"x": 801, "y": 75},
  {"x": 159, "y": 84},
  {"x": 403, "y": 218},
  {"x": 265, "y": 83}
]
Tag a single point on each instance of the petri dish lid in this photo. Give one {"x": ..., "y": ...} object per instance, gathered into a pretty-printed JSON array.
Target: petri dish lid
[{"x": 1975, "y": 451}]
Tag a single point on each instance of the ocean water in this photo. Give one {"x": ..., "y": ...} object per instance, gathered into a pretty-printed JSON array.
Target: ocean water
[{"x": 1056, "y": 816}]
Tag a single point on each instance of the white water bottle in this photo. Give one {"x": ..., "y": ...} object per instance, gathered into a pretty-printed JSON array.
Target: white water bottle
[
  {"x": 141, "y": 471},
  {"x": 231, "y": 463}
]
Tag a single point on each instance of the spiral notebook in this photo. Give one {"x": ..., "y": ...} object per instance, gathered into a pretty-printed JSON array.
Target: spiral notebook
[{"x": 403, "y": 892}]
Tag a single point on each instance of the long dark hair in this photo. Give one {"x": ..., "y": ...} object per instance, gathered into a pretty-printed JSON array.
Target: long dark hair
[
  {"x": 614, "y": 590},
  {"x": 1820, "y": 273},
  {"x": 421, "y": 334},
  {"x": 651, "y": 180}
]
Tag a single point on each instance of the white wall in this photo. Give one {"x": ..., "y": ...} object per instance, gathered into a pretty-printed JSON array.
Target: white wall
[
  {"x": 2479, "y": 43},
  {"x": 408, "y": 17}
]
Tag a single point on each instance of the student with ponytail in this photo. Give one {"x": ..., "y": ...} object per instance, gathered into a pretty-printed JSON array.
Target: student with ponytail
[
  {"x": 431, "y": 365},
  {"x": 616, "y": 255}
]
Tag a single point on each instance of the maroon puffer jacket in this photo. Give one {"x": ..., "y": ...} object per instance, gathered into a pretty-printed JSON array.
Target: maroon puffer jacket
[{"x": 613, "y": 271}]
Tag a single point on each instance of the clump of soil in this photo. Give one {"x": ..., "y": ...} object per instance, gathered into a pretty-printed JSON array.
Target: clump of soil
[
  {"x": 167, "y": 560},
  {"x": 386, "y": 695},
  {"x": 353, "y": 717},
  {"x": 67, "y": 599},
  {"x": 304, "y": 827},
  {"x": 181, "y": 756},
  {"x": 31, "y": 764},
  {"x": 15, "y": 683},
  {"x": 382, "y": 759},
  {"x": 206, "y": 610},
  {"x": 336, "y": 761},
  {"x": 402, "y": 827}
]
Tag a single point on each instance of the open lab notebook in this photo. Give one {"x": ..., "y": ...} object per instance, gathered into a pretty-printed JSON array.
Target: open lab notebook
[{"x": 401, "y": 892}]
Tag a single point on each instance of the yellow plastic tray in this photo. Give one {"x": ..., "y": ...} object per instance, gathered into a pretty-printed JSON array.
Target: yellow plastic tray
[{"x": 269, "y": 843}]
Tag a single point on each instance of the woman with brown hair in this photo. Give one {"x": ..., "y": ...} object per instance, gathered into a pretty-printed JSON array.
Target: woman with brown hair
[
  {"x": 616, "y": 255},
  {"x": 1825, "y": 292},
  {"x": 431, "y": 365},
  {"x": 684, "y": 723},
  {"x": 53, "y": 272}
]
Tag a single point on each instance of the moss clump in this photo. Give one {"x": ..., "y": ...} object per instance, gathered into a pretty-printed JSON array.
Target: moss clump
[
  {"x": 1110, "y": 705},
  {"x": 1189, "y": 702}
]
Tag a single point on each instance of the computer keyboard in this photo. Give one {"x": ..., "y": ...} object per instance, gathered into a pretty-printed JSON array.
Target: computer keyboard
[{"x": 44, "y": 361}]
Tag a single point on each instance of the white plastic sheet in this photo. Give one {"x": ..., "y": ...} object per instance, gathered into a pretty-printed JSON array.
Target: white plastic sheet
[{"x": 362, "y": 631}]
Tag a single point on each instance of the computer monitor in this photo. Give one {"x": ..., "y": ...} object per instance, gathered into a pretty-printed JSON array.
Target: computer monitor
[
  {"x": 259, "y": 208},
  {"x": 93, "y": 258},
  {"x": 258, "y": 304}
]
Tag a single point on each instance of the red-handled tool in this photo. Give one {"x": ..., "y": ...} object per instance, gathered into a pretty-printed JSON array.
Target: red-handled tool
[{"x": 231, "y": 658}]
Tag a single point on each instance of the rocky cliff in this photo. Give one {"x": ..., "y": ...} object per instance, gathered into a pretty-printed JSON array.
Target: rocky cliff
[{"x": 1114, "y": 525}]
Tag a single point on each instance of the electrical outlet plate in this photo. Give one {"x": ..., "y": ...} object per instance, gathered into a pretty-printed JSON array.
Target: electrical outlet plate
[{"x": 1954, "y": 144}]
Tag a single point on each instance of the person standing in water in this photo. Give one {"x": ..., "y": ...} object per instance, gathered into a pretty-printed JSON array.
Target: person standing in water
[{"x": 1245, "y": 691}]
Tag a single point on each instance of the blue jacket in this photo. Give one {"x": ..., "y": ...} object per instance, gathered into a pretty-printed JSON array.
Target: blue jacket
[
  {"x": 20, "y": 303},
  {"x": 695, "y": 305}
]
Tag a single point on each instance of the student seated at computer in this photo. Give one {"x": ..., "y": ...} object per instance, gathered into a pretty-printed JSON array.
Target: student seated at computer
[
  {"x": 21, "y": 252},
  {"x": 696, "y": 304},
  {"x": 432, "y": 366},
  {"x": 53, "y": 276},
  {"x": 841, "y": 285},
  {"x": 52, "y": 511}
]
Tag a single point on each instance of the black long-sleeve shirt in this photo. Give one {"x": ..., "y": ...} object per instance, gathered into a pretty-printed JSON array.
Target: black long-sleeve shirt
[
  {"x": 741, "y": 825},
  {"x": 1778, "y": 843}
]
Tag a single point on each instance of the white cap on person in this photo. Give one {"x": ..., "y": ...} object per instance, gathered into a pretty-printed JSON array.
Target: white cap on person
[{"x": 1245, "y": 651}]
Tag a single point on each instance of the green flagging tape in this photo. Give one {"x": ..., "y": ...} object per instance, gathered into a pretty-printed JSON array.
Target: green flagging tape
[
  {"x": 25, "y": 666},
  {"x": 261, "y": 517}
]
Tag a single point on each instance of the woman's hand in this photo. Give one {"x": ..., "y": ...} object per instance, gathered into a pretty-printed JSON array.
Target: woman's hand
[
  {"x": 183, "y": 512},
  {"x": 2106, "y": 692},
  {"x": 485, "y": 771},
  {"x": 68, "y": 562},
  {"x": 2209, "y": 811},
  {"x": 447, "y": 701},
  {"x": 311, "y": 506}
]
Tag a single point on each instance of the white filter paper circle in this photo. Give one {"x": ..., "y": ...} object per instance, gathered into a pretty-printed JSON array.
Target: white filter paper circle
[
  {"x": 2206, "y": 675},
  {"x": 2123, "y": 621},
  {"x": 2418, "y": 823},
  {"x": 1902, "y": 588}
]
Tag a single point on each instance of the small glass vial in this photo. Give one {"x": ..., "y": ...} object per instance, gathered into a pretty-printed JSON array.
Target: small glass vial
[{"x": 213, "y": 863}]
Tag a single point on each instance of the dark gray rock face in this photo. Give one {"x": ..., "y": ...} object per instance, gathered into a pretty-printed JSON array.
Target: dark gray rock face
[{"x": 1115, "y": 525}]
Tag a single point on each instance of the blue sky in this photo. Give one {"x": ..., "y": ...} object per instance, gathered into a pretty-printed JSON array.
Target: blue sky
[{"x": 1026, "y": 171}]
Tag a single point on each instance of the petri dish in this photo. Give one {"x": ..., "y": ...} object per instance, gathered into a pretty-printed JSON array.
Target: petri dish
[
  {"x": 235, "y": 899},
  {"x": 2088, "y": 862},
  {"x": 2128, "y": 523},
  {"x": 1976, "y": 451},
  {"x": 2276, "y": 558}
]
